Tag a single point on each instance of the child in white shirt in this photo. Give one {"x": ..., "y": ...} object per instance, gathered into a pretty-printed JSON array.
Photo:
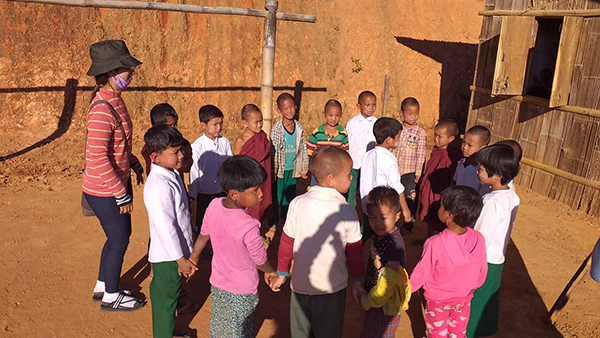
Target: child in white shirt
[
  {"x": 171, "y": 239},
  {"x": 209, "y": 151},
  {"x": 498, "y": 165},
  {"x": 380, "y": 168},
  {"x": 360, "y": 138}
]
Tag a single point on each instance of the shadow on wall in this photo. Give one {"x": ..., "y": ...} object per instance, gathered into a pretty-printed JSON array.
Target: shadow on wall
[
  {"x": 64, "y": 122},
  {"x": 458, "y": 66},
  {"x": 70, "y": 89}
]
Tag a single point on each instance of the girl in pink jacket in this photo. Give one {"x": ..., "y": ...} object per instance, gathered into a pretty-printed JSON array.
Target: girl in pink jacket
[{"x": 453, "y": 264}]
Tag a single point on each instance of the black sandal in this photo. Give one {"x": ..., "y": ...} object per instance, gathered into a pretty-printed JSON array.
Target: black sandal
[{"x": 117, "y": 305}]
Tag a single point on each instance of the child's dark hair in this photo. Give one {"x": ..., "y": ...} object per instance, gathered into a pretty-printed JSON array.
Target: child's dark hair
[
  {"x": 499, "y": 159},
  {"x": 327, "y": 160},
  {"x": 249, "y": 108},
  {"x": 209, "y": 112},
  {"x": 450, "y": 125},
  {"x": 161, "y": 137},
  {"x": 160, "y": 112},
  {"x": 333, "y": 102},
  {"x": 482, "y": 132},
  {"x": 384, "y": 196},
  {"x": 463, "y": 203},
  {"x": 516, "y": 147},
  {"x": 386, "y": 127},
  {"x": 409, "y": 102},
  {"x": 241, "y": 172},
  {"x": 284, "y": 96},
  {"x": 363, "y": 95}
]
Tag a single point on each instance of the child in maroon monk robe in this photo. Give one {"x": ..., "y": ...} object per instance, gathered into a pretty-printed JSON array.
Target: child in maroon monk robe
[
  {"x": 254, "y": 143},
  {"x": 438, "y": 176}
]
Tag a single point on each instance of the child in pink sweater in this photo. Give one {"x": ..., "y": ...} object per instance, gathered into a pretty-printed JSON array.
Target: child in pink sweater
[{"x": 453, "y": 264}]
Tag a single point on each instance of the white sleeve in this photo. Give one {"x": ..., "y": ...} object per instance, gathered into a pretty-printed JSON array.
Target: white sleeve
[
  {"x": 228, "y": 151},
  {"x": 353, "y": 228},
  {"x": 160, "y": 205},
  {"x": 394, "y": 180},
  {"x": 488, "y": 220},
  {"x": 195, "y": 171},
  {"x": 289, "y": 225}
]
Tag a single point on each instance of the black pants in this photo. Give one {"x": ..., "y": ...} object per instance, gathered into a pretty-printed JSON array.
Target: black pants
[
  {"x": 408, "y": 181},
  {"x": 319, "y": 316},
  {"x": 117, "y": 228}
]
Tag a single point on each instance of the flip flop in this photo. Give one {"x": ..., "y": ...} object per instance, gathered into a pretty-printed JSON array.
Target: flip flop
[{"x": 117, "y": 305}]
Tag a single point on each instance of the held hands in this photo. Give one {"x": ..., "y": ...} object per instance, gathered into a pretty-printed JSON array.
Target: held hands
[
  {"x": 270, "y": 277},
  {"x": 357, "y": 290},
  {"x": 186, "y": 268},
  {"x": 277, "y": 282}
]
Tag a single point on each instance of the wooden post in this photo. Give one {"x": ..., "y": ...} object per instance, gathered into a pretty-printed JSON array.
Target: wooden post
[
  {"x": 386, "y": 95},
  {"x": 268, "y": 65}
]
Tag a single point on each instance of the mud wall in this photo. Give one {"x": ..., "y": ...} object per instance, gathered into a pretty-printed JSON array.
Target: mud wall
[{"x": 426, "y": 47}]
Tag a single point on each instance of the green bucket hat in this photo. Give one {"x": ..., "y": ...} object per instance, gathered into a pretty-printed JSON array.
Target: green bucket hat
[{"x": 109, "y": 55}]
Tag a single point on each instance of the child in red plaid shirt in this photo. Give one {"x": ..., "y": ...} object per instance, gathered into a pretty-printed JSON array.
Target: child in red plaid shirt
[{"x": 411, "y": 154}]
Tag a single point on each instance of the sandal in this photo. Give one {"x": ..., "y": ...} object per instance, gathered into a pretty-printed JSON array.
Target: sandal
[{"x": 117, "y": 305}]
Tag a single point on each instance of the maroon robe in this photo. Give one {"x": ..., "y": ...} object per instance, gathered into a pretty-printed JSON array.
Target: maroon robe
[
  {"x": 259, "y": 148},
  {"x": 437, "y": 177}
]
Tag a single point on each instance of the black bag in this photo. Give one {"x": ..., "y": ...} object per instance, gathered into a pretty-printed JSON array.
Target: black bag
[{"x": 85, "y": 206}]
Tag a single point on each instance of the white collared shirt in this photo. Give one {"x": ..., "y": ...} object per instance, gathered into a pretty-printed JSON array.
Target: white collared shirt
[
  {"x": 379, "y": 168},
  {"x": 207, "y": 156},
  {"x": 496, "y": 222},
  {"x": 168, "y": 214},
  {"x": 321, "y": 223},
  {"x": 360, "y": 137}
]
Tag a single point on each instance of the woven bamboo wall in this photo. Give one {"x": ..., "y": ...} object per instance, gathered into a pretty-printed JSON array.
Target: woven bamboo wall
[{"x": 566, "y": 141}]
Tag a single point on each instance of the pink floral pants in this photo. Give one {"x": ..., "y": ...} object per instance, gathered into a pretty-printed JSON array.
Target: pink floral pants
[{"x": 447, "y": 319}]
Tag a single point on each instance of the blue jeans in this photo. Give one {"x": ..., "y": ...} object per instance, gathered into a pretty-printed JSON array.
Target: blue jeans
[
  {"x": 117, "y": 228},
  {"x": 595, "y": 271}
]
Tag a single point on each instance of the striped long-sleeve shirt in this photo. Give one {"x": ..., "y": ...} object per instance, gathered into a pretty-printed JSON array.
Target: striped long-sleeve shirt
[
  {"x": 107, "y": 161},
  {"x": 320, "y": 138}
]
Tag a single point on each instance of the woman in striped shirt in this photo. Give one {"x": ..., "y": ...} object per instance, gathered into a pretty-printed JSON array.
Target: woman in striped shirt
[{"x": 108, "y": 160}]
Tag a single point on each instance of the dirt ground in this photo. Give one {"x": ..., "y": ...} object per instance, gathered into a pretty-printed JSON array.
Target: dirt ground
[{"x": 50, "y": 259}]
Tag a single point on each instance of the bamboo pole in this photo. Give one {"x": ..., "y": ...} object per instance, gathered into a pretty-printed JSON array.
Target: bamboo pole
[
  {"x": 161, "y": 6},
  {"x": 561, "y": 173},
  {"x": 542, "y": 13},
  {"x": 544, "y": 103},
  {"x": 386, "y": 95},
  {"x": 471, "y": 117},
  {"x": 268, "y": 65}
]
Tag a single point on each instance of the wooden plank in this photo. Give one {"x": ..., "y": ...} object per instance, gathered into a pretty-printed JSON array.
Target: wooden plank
[
  {"x": 545, "y": 103},
  {"x": 517, "y": 36},
  {"x": 565, "y": 61}
]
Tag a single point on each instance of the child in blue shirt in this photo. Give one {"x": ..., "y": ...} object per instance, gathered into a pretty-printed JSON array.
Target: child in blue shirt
[
  {"x": 289, "y": 154},
  {"x": 476, "y": 138}
]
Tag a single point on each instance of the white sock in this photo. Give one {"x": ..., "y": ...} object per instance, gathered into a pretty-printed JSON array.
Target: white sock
[
  {"x": 111, "y": 297},
  {"x": 99, "y": 287}
]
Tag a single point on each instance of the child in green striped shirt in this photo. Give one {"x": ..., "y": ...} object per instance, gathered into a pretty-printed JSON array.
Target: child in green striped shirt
[{"x": 330, "y": 133}]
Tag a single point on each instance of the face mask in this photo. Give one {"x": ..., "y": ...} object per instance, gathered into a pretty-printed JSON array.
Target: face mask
[{"x": 120, "y": 82}]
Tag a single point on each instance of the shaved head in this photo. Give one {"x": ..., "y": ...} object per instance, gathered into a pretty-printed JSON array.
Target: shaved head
[{"x": 327, "y": 160}]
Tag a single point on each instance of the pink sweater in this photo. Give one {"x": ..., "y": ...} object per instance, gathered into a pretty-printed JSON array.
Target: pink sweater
[
  {"x": 238, "y": 248},
  {"x": 451, "y": 266}
]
